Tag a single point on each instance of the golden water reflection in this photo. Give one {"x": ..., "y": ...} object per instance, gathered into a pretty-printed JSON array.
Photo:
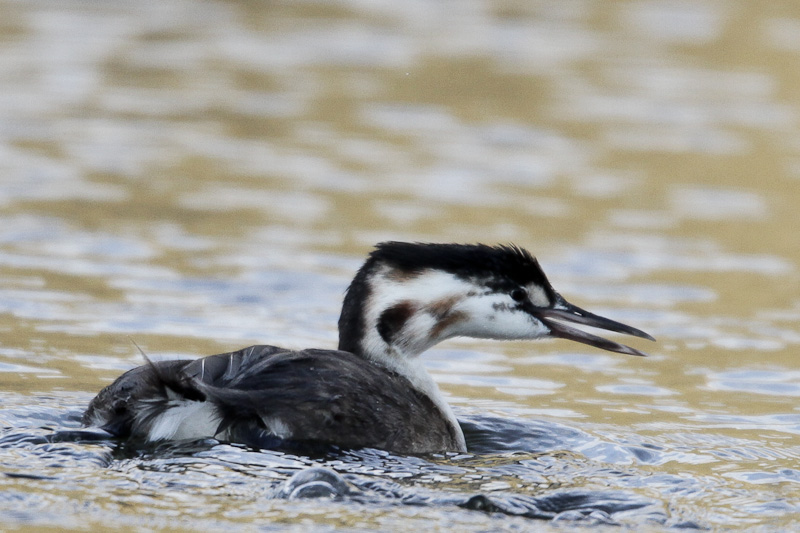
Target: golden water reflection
[{"x": 198, "y": 176}]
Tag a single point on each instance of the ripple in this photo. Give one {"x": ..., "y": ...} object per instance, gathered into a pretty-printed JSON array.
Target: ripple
[
  {"x": 781, "y": 423},
  {"x": 296, "y": 206},
  {"x": 677, "y": 22},
  {"x": 508, "y": 385},
  {"x": 636, "y": 389},
  {"x": 618, "y": 256},
  {"x": 768, "y": 382},
  {"x": 583, "y": 362},
  {"x": 784, "y": 475},
  {"x": 717, "y": 203},
  {"x": 17, "y": 368}
]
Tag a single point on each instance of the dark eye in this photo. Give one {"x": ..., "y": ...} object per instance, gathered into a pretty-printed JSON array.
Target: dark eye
[{"x": 519, "y": 295}]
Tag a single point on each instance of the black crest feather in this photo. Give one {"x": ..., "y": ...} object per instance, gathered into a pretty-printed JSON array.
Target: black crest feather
[{"x": 469, "y": 261}]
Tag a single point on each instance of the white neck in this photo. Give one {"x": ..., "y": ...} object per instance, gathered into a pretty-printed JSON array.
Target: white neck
[{"x": 422, "y": 381}]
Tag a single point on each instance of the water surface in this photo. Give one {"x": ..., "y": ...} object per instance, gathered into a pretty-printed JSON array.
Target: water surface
[{"x": 200, "y": 176}]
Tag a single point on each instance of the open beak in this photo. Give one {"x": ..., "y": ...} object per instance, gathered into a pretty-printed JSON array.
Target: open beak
[{"x": 565, "y": 311}]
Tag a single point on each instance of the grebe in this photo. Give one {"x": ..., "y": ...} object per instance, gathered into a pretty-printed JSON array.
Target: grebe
[{"x": 373, "y": 391}]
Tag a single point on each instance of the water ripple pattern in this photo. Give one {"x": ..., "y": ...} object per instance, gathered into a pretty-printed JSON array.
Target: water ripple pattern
[{"x": 199, "y": 176}]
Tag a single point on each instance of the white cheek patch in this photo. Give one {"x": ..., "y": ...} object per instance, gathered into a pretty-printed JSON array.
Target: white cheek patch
[
  {"x": 422, "y": 291},
  {"x": 496, "y": 316}
]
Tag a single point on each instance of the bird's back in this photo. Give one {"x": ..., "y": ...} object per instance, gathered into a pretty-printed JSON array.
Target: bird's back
[{"x": 263, "y": 394}]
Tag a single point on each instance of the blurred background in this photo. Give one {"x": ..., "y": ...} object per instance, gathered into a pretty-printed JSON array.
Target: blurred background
[{"x": 202, "y": 175}]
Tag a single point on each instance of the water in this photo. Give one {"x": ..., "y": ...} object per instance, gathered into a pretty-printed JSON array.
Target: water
[{"x": 200, "y": 176}]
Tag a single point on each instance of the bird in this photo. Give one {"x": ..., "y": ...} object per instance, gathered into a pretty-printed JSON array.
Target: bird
[{"x": 371, "y": 392}]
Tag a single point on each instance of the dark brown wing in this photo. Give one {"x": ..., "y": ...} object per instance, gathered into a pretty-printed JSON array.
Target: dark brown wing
[{"x": 319, "y": 396}]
